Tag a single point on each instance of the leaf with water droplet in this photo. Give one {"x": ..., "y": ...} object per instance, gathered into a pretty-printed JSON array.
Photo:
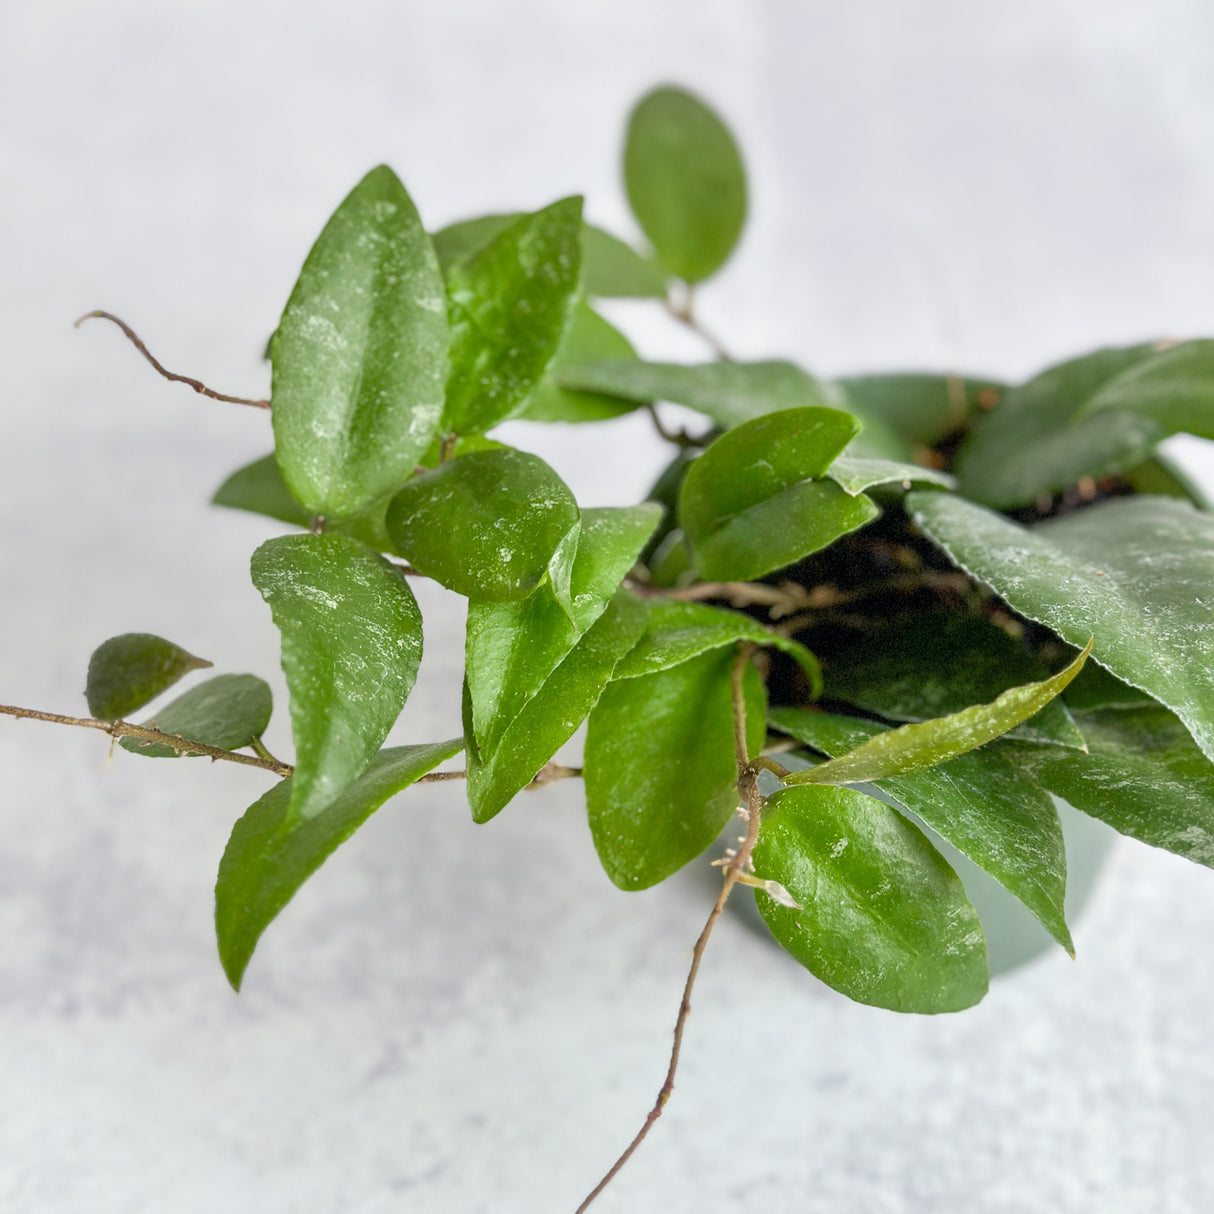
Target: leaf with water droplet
[{"x": 228, "y": 711}]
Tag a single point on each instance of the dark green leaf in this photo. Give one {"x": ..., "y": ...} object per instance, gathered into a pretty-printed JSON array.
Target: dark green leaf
[
  {"x": 351, "y": 644},
  {"x": 853, "y": 474},
  {"x": 1174, "y": 387},
  {"x": 360, "y": 355},
  {"x": 940, "y": 663},
  {"x": 485, "y": 525},
  {"x": 979, "y": 802},
  {"x": 509, "y": 305},
  {"x": 686, "y": 182},
  {"x": 1159, "y": 475},
  {"x": 228, "y": 711},
  {"x": 660, "y": 768},
  {"x": 914, "y": 747},
  {"x": 127, "y": 671},
  {"x": 882, "y": 917},
  {"x": 271, "y": 854},
  {"x": 921, "y": 409},
  {"x": 1135, "y": 573}
]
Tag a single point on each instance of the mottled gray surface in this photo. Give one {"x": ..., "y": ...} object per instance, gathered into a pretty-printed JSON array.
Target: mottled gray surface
[{"x": 450, "y": 1023}]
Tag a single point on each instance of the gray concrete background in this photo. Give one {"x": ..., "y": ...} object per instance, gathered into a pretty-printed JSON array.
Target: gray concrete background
[{"x": 453, "y": 1018}]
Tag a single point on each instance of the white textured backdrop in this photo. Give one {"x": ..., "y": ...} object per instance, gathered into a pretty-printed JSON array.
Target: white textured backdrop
[{"x": 472, "y": 1019}]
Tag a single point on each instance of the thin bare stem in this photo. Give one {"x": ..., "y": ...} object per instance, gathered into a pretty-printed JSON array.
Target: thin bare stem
[
  {"x": 196, "y": 384},
  {"x": 782, "y": 600},
  {"x": 734, "y": 868},
  {"x": 262, "y": 751},
  {"x": 684, "y": 313},
  {"x": 680, "y": 438}
]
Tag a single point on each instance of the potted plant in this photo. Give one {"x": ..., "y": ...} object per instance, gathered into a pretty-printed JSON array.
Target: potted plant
[{"x": 860, "y": 620}]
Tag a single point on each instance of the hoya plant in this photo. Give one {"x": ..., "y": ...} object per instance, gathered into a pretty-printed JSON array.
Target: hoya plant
[{"x": 860, "y": 618}]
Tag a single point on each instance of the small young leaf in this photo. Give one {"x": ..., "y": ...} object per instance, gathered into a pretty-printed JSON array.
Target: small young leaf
[
  {"x": 1135, "y": 573},
  {"x": 660, "y": 768},
  {"x": 360, "y": 355},
  {"x": 914, "y": 747},
  {"x": 686, "y": 182},
  {"x": 921, "y": 409},
  {"x": 485, "y": 525},
  {"x": 351, "y": 645},
  {"x": 729, "y": 393},
  {"x": 854, "y": 475},
  {"x": 271, "y": 853},
  {"x": 980, "y": 802},
  {"x": 127, "y": 671},
  {"x": 228, "y": 711},
  {"x": 509, "y": 305},
  {"x": 882, "y": 918}
]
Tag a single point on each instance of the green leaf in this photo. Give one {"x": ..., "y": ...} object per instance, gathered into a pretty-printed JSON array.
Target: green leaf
[
  {"x": 1135, "y": 573},
  {"x": 922, "y": 409},
  {"x": 458, "y": 241},
  {"x": 228, "y": 711},
  {"x": 729, "y": 393},
  {"x": 260, "y": 489},
  {"x": 882, "y": 917},
  {"x": 677, "y": 632},
  {"x": 127, "y": 671},
  {"x": 748, "y": 505},
  {"x": 615, "y": 270},
  {"x": 939, "y": 663},
  {"x": 980, "y": 802},
  {"x": 271, "y": 854},
  {"x": 660, "y": 768},
  {"x": 914, "y": 747},
  {"x": 1143, "y": 775},
  {"x": 686, "y": 182},
  {"x": 360, "y": 355},
  {"x": 521, "y": 744},
  {"x": 485, "y": 525},
  {"x": 588, "y": 336},
  {"x": 351, "y": 645},
  {"x": 1040, "y": 440},
  {"x": 1160, "y": 476},
  {"x": 854, "y": 475},
  {"x": 509, "y": 304}
]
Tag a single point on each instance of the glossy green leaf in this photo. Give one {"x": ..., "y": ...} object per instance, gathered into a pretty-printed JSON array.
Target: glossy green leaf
[
  {"x": 509, "y": 305},
  {"x": 729, "y": 393},
  {"x": 360, "y": 355},
  {"x": 686, "y": 182},
  {"x": 228, "y": 711},
  {"x": 485, "y": 525},
  {"x": 660, "y": 768},
  {"x": 127, "y": 671},
  {"x": 922, "y": 409},
  {"x": 882, "y": 918},
  {"x": 1040, "y": 440},
  {"x": 271, "y": 854},
  {"x": 1143, "y": 775},
  {"x": 914, "y": 747},
  {"x": 939, "y": 663},
  {"x": 677, "y": 632},
  {"x": 1135, "y": 573},
  {"x": 853, "y": 475},
  {"x": 351, "y": 645},
  {"x": 459, "y": 240},
  {"x": 1174, "y": 387},
  {"x": 588, "y": 336},
  {"x": 980, "y": 802},
  {"x": 523, "y": 743}
]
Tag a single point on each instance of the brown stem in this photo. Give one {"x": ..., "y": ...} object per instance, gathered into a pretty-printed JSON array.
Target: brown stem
[
  {"x": 684, "y": 313},
  {"x": 737, "y": 864},
  {"x": 782, "y": 600},
  {"x": 680, "y": 438},
  {"x": 196, "y": 384}
]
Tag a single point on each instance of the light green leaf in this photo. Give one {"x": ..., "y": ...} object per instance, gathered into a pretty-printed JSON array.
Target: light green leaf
[
  {"x": 271, "y": 854},
  {"x": 853, "y": 475},
  {"x": 509, "y": 305},
  {"x": 228, "y": 711},
  {"x": 686, "y": 182},
  {"x": 485, "y": 525},
  {"x": 914, "y": 747},
  {"x": 677, "y": 632},
  {"x": 939, "y": 663},
  {"x": 615, "y": 270},
  {"x": 351, "y": 644},
  {"x": 922, "y": 409},
  {"x": 360, "y": 355},
  {"x": 882, "y": 918},
  {"x": 1143, "y": 775},
  {"x": 458, "y": 241},
  {"x": 1135, "y": 573},
  {"x": 980, "y": 802},
  {"x": 521, "y": 744},
  {"x": 660, "y": 768},
  {"x": 729, "y": 393},
  {"x": 127, "y": 671}
]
